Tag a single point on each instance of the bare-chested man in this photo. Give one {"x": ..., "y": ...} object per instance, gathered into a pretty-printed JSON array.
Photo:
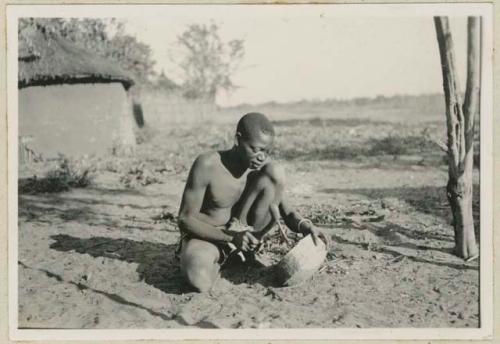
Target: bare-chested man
[{"x": 240, "y": 183}]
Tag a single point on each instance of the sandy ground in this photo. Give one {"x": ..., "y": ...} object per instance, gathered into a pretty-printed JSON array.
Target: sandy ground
[{"x": 103, "y": 257}]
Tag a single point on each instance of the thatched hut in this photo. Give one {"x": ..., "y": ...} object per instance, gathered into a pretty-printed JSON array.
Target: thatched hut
[{"x": 72, "y": 102}]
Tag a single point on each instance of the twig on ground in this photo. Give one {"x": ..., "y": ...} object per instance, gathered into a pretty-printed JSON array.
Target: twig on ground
[
  {"x": 397, "y": 259},
  {"x": 472, "y": 258}
]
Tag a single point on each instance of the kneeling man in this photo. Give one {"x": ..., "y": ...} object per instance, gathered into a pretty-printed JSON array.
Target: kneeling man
[{"x": 229, "y": 189}]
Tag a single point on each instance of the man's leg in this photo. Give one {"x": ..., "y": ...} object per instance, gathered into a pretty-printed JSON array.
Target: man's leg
[
  {"x": 199, "y": 263},
  {"x": 264, "y": 188}
]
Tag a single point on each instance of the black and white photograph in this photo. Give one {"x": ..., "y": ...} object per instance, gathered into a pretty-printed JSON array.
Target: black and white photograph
[{"x": 250, "y": 171}]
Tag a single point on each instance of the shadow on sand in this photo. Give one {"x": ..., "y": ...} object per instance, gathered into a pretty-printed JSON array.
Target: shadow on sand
[
  {"x": 90, "y": 210},
  {"x": 157, "y": 263},
  {"x": 393, "y": 243},
  {"x": 396, "y": 254},
  {"x": 251, "y": 272},
  {"x": 112, "y": 296},
  {"x": 430, "y": 200}
]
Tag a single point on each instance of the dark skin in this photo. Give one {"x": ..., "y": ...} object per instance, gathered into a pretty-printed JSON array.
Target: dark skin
[{"x": 238, "y": 183}]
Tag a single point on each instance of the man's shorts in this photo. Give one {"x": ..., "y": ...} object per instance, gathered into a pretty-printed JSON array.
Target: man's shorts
[{"x": 224, "y": 249}]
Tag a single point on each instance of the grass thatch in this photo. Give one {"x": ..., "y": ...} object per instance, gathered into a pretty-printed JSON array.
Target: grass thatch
[{"x": 48, "y": 59}]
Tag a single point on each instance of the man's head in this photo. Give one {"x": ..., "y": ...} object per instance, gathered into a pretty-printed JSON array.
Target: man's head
[{"x": 255, "y": 136}]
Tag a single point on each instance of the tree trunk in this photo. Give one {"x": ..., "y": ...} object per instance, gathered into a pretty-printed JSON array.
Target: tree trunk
[{"x": 460, "y": 127}]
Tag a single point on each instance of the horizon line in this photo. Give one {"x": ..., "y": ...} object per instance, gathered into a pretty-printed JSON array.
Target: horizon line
[{"x": 326, "y": 100}]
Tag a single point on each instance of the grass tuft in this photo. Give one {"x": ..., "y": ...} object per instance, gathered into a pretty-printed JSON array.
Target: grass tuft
[{"x": 65, "y": 175}]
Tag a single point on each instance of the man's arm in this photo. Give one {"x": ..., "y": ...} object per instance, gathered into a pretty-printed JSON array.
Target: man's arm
[
  {"x": 190, "y": 218},
  {"x": 293, "y": 220}
]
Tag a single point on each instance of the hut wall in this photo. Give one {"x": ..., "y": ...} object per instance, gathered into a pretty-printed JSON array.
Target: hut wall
[{"x": 76, "y": 119}]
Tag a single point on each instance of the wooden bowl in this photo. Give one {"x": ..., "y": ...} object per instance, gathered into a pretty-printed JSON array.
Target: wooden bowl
[{"x": 301, "y": 262}]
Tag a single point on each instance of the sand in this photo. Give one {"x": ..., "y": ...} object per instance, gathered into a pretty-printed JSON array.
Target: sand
[{"x": 103, "y": 257}]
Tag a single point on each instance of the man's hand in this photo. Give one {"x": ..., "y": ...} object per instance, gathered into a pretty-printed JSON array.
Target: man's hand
[
  {"x": 316, "y": 234},
  {"x": 245, "y": 241}
]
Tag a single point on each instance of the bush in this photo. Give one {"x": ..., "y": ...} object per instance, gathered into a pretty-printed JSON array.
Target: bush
[
  {"x": 331, "y": 152},
  {"x": 65, "y": 175},
  {"x": 402, "y": 145},
  {"x": 139, "y": 175},
  {"x": 389, "y": 145}
]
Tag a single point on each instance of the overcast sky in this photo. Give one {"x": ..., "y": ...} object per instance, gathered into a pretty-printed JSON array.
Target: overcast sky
[{"x": 298, "y": 53}]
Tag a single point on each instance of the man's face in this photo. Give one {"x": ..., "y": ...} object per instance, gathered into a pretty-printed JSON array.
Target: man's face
[{"x": 255, "y": 149}]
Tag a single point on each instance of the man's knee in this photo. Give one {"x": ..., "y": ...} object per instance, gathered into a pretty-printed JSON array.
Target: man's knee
[
  {"x": 201, "y": 278},
  {"x": 199, "y": 264},
  {"x": 275, "y": 172}
]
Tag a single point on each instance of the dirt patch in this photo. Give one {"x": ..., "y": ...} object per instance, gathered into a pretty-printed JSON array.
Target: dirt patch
[{"x": 103, "y": 256}]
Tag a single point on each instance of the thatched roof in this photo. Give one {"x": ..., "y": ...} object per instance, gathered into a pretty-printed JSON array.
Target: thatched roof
[{"x": 48, "y": 59}]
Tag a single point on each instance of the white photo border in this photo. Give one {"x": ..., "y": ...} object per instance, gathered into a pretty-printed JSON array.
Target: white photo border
[{"x": 484, "y": 332}]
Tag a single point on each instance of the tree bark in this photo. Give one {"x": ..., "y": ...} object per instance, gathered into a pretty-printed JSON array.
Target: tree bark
[{"x": 460, "y": 128}]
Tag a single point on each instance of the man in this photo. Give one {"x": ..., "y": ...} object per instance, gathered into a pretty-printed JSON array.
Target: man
[{"x": 229, "y": 189}]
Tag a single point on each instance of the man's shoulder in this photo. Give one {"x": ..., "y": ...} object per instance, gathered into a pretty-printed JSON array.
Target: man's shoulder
[{"x": 206, "y": 160}]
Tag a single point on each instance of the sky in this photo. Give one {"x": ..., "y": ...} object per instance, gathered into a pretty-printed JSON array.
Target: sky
[{"x": 296, "y": 52}]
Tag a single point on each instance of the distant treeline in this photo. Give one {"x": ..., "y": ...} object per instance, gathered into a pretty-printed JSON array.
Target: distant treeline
[{"x": 422, "y": 102}]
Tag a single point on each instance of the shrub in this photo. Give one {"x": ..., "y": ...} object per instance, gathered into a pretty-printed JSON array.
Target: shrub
[
  {"x": 139, "y": 175},
  {"x": 401, "y": 145},
  {"x": 65, "y": 175}
]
